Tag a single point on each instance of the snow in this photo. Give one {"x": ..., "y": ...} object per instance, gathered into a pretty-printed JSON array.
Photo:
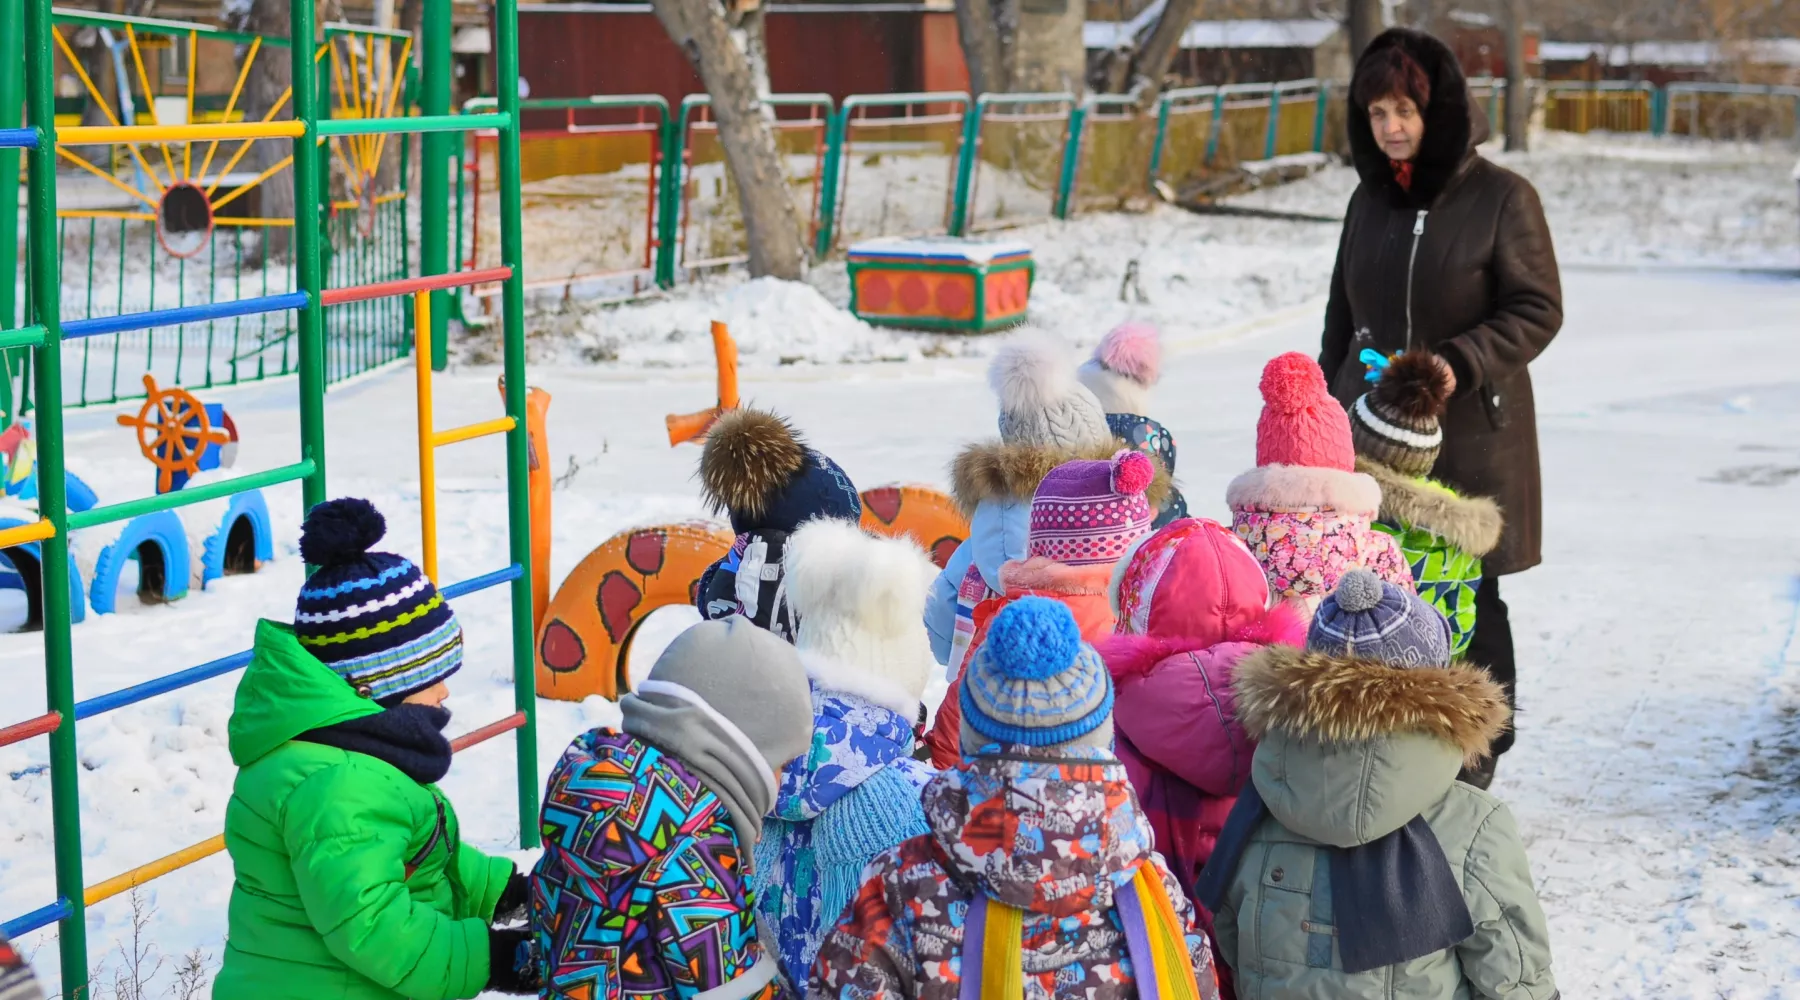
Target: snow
[{"x": 1657, "y": 777}]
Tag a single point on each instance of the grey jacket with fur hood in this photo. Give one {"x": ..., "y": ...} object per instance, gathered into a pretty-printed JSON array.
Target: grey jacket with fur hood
[{"x": 1349, "y": 751}]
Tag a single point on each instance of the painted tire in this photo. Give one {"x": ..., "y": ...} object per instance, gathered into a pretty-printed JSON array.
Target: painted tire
[
  {"x": 249, "y": 507},
  {"x": 163, "y": 530},
  {"x": 17, "y": 561},
  {"x": 925, "y": 515},
  {"x": 588, "y": 628}
]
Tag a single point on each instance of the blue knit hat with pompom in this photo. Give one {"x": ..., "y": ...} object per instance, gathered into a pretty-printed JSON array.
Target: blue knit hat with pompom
[
  {"x": 1035, "y": 682},
  {"x": 372, "y": 617}
]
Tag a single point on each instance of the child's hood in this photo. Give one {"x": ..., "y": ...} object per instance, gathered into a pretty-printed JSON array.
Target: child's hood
[
  {"x": 1472, "y": 524},
  {"x": 999, "y": 472},
  {"x": 1349, "y": 749},
  {"x": 1051, "y": 831},
  {"x": 1305, "y": 487},
  {"x": 853, "y": 740},
  {"x": 285, "y": 692}
]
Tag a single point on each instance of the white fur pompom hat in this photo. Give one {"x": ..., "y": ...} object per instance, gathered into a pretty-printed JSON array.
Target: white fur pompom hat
[
  {"x": 1041, "y": 400},
  {"x": 860, "y": 600},
  {"x": 1126, "y": 364}
]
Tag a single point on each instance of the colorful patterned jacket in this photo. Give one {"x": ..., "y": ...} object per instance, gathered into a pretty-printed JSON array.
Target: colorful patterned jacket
[
  {"x": 1443, "y": 538},
  {"x": 852, "y": 797},
  {"x": 1055, "y": 833},
  {"x": 641, "y": 890},
  {"x": 1309, "y": 526}
]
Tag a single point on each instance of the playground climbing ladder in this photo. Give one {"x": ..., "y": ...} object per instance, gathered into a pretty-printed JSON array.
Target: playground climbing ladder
[{"x": 44, "y": 336}]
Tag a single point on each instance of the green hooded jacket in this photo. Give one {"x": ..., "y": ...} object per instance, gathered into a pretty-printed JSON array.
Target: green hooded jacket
[
  {"x": 1349, "y": 751},
  {"x": 351, "y": 882},
  {"x": 1443, "y": 536}
]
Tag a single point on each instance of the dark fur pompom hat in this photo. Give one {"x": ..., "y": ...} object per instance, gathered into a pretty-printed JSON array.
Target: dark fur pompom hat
[
  {"x": 757, "y": 470},
  {"x": 1396, "y": 422}
]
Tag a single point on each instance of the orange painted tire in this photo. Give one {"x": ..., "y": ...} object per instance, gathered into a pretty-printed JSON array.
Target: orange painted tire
[
  {"x": 925, "y": 515},
  {"x": 588, "y": 628}
]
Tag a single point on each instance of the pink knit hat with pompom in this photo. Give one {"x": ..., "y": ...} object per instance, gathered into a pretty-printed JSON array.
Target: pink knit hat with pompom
[
  {"x": 1089, "y": 512},
  {"x": 1126, "y": 363},
  {"x": 1301, "y": 424}
]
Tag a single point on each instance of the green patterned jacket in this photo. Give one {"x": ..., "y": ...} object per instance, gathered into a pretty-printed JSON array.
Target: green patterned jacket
[{"x": 1443, "y": 537}]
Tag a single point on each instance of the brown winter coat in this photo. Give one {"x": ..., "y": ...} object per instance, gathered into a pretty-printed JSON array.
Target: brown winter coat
[{"x": 1484, "y": 294}]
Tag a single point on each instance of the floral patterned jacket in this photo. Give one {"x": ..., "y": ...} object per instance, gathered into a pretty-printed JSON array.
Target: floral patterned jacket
[
  {"x": 1056, "y": 833},
  {"x": 1309, "y": 526}
]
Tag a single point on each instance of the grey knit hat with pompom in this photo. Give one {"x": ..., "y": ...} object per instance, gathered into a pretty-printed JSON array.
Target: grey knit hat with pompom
[
  {"x": 1368, "y": 617},
  {"x": 1041, "y": 401}
]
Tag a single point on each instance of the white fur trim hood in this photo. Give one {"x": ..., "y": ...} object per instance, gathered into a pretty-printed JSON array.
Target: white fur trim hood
[
  {"x": 860, "y": 601},
  {"x": 1297, "y": 487}
]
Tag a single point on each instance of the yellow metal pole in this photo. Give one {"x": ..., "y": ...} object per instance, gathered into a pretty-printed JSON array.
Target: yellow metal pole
[
  {"x": 427, "y": 448},
  {"x": 156, "y": 869}
]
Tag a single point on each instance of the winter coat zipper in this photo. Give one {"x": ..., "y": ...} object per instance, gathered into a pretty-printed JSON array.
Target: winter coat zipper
[{"x": 1411, "y": 259}]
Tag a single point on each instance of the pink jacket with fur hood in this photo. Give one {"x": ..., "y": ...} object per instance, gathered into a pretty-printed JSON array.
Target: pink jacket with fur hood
[
  {"x": 1307, "y": 526},
  {"x": 1191, "y": 603}
]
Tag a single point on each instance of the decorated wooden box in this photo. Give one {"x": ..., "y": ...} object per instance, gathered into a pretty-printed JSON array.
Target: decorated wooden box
[{"x": 941, "y": 283}]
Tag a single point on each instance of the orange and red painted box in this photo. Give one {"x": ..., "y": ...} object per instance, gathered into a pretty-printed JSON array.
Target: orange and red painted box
[{"x": 941, "y": 283}]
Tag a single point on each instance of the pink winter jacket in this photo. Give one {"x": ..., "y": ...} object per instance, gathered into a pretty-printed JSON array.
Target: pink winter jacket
[{"x": 1308, "y": 526}]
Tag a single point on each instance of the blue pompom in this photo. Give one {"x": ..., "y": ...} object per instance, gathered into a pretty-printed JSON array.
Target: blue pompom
[
  {"x": 338, "y": 531},
  {"x": 1032, "y": 638}
]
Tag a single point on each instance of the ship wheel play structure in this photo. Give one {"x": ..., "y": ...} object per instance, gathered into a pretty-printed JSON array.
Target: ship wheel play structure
[{"x": 173, "y": 430}]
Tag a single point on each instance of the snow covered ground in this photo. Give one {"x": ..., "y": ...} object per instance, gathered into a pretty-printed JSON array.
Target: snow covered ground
[{"x": 1657, "y": 777}]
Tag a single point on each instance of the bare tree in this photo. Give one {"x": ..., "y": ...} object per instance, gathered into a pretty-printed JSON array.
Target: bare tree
[
  {"x": 1024, "y": 46},
  {"x": 725, "y": 46},
  {"x": 1518, "y": 93},
  {"x": 1140, "y": 64},
  {"x": 1362, "y": 18}
]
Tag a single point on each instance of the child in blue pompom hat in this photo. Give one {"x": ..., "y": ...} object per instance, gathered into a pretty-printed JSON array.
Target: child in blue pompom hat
[{"x": 351, "y": 878}]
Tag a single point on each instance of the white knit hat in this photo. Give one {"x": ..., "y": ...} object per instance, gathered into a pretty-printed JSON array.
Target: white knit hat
[
  {"x": 860, "y": 600},
  {"x": 1041, "y": 401}
]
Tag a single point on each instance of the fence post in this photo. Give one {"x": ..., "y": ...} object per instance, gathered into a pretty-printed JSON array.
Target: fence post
[
  {"x": 1319, "y": 113},
  {"x": 12, "y": 65},
  {"x": 1274, "y": 121},
  {"x": 1212, "y": 127},
  {"x": 45, "y": 263},
  {"x": 309, "y": 203},
  {"x": 669, "y": 195},
  {"x": 965, "y": 164},
  {"x": 1162, "y": 137},
  {"x": 828, "y": 185},
  {"x": 1071, "y": 160},
  {"x": 434, "y": 166}
]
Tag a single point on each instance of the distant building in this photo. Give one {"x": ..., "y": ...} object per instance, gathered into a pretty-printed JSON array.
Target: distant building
[
  {"x": 1761, "y": 61},
  {"x": 1218, "y": 52}
]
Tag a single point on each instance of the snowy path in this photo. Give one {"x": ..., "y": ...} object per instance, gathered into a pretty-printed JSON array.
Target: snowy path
[{"x": 1657, "y": 777}]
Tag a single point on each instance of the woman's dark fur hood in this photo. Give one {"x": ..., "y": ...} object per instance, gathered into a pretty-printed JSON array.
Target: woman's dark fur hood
[
  {"x": 1454, "y": 124},
  {"x": 1472, "y": 524},
  {"x": 1010, "y": 473},
  {"x": 1341, "y": 699}
]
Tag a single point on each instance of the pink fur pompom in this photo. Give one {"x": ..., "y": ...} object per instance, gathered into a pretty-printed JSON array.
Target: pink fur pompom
[
  {"x": 1292, "y": 382},
  {"x": 1132, "y": 349},
  {"x": 1131, "y": 472}
]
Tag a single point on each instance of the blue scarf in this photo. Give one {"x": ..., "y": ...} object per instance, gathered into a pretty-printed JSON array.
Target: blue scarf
[{"x": 408, "y": 736}]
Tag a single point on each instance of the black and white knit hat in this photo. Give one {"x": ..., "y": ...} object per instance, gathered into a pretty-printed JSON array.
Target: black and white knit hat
[{"x": 1396, "y": 422}]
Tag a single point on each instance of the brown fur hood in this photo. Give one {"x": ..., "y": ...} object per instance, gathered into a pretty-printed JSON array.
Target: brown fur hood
[
  {"x": 1472, "y": 524},
  {"x": 1010, "y": 473},
  {"x": 1338, "y": 699}
]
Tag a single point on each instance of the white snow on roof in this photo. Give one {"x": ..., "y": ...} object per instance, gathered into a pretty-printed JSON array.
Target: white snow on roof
[
  {"x": 1296, "y": 34},
  {"x": 1769, "y": 52}
]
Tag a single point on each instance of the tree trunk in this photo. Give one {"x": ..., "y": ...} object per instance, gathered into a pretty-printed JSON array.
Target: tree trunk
[
  {"x": 725, "y": 57},
  {"x": 978, "y": 27},
  {"x": 1363, "y": 20},
  {"x": 1023, "y": 46},
  {"x": 1158, "y": 52},
  {"x": 270, "y": 77},
  {"x": 1518, "y": 93}
]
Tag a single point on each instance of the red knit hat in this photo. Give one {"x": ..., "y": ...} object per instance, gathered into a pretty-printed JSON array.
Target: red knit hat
[{"x": 1301, "y": 424}]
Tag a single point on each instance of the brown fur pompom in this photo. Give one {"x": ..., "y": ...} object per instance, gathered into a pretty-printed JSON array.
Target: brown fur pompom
[
  {"x": 1413, "y": 386},
  {"x": 749, "y": 455}
]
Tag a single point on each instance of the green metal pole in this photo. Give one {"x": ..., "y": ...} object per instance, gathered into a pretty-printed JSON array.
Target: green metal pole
[
  {"x": 1319, "y": 115},
  {"x": 59, "y": 673},
  {"x": 12, "y": 83},
  {"x": 518, "y": 446},
  {"x": 965, "y": 165},
  {"x": 828, "y": 186},
  {"x": 308, "y": 277},
  {"x": 434, "y": 167},
  {"x": 1269, "y": 139},
  {"x": 668, "y": 220},
  {"x": 1071, "y": 161},
  {"x": 1213, "y": 126},
  {"x": 1162, "y": 138}
]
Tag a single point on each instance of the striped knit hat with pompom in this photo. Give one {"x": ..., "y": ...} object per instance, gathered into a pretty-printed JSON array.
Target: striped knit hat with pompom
[
  {"x": 372, "y": 617},
  {"x": 1035, "y": 682}
]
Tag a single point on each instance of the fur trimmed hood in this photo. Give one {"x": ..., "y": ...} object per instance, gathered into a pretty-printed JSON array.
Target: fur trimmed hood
[
  {"x": 1293, "y": 487},
  {"x": 1472, "y": 524},
  {"x": 1454, "y": 125},
  {"x": 1010, "y": 473},
  {"x": 1331, "y": 699}
]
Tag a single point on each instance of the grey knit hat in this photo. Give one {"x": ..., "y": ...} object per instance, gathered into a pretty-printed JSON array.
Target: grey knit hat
[
  {"x": 1395, "y": 423},
  {"x": 1370, "y": 618},
  {"x": 1041, "y": 401},
  {"x": 730, "y": 701}
]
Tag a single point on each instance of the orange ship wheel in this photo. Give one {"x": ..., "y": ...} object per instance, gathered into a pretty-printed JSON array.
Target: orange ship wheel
[
  {"x": 585, "y": 635},
  {"x": 921, "y": 513},
  {"x": 172, "y": 430}
]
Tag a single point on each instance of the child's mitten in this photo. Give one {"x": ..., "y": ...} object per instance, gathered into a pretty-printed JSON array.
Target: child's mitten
[{"x": 514, "y": 906}]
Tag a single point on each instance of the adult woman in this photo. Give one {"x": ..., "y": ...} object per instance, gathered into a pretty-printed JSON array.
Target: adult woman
[{"x": 1445, "y": 250}]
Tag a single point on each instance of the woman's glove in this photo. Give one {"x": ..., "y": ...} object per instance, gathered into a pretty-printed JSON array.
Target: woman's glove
[
  {"x": 514, "y": 905},
  {"x": 513, "y": 962}
]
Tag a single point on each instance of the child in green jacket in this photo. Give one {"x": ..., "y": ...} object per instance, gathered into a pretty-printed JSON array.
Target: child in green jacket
[{"x": 352, "y": 881}]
